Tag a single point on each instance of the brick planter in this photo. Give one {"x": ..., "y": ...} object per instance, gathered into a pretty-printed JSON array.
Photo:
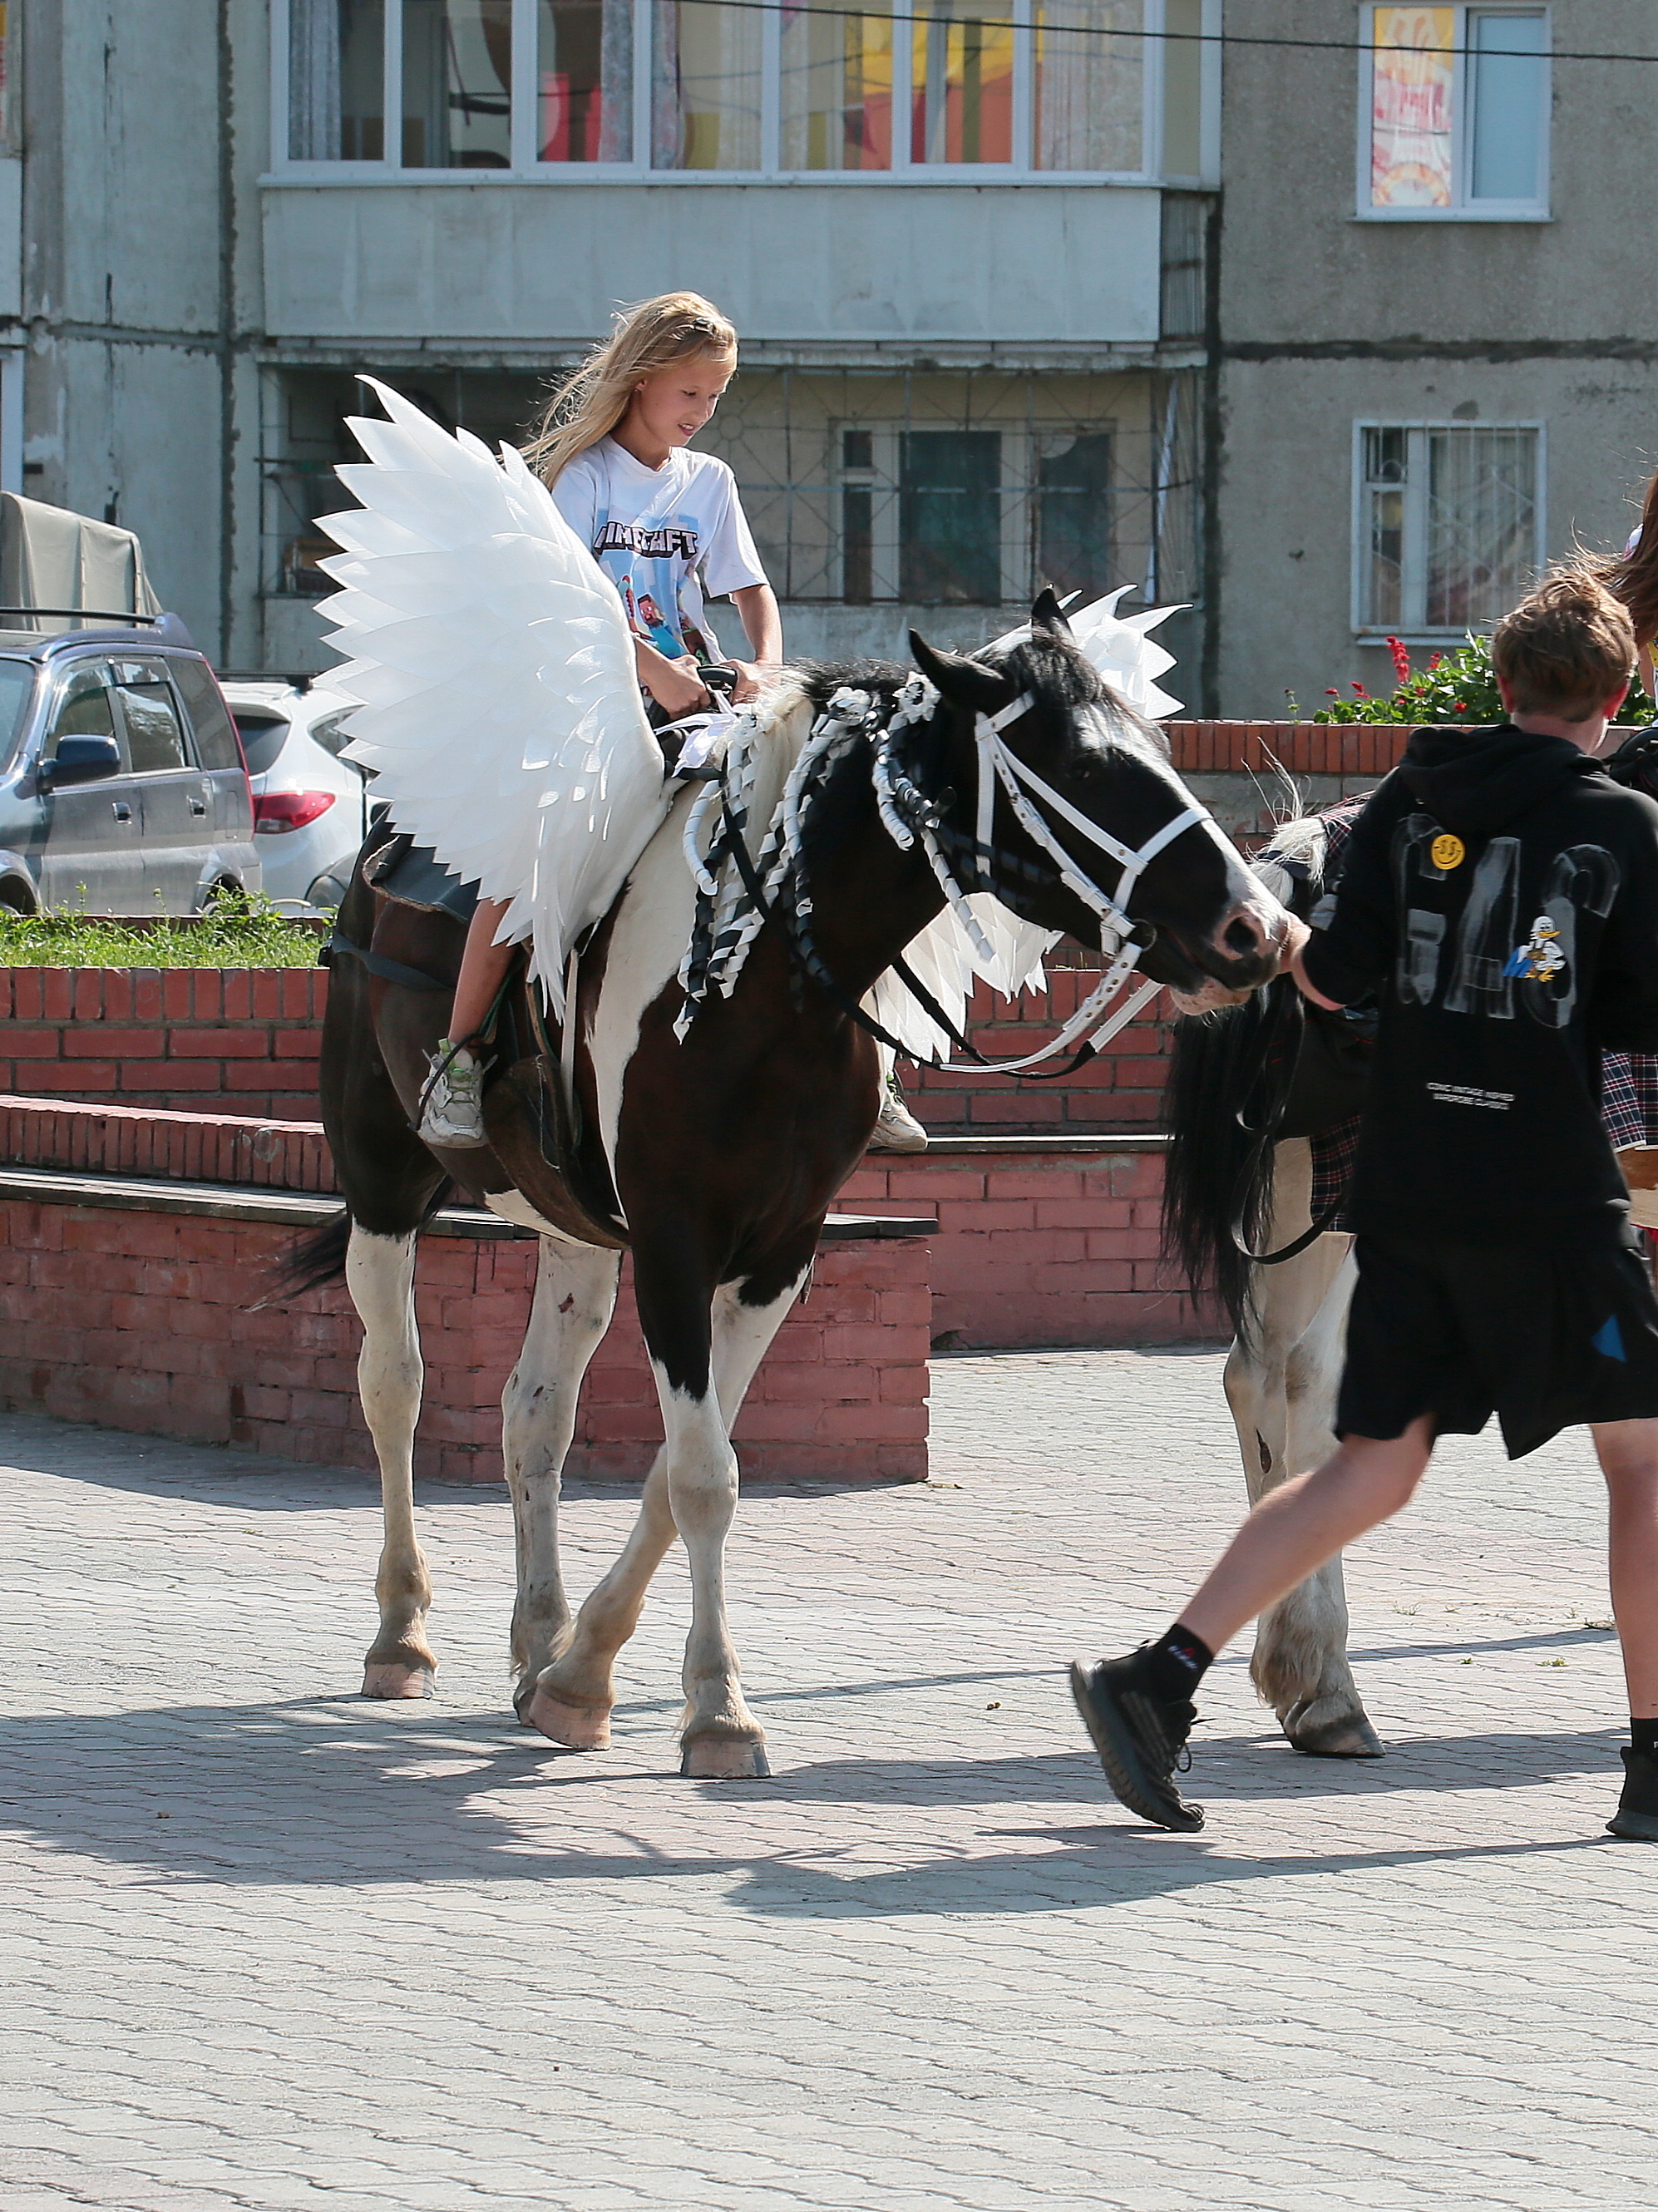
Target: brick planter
[
  {"x": 126, "y": 1302},
  {"x": 181, "y": 1039}
]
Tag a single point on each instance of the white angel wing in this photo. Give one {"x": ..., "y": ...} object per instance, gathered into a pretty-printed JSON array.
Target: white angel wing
[
  {"x": 945, "y": 959},
  {"x": 1118, "y": 647},
  {"x": 500, "y": 709}
]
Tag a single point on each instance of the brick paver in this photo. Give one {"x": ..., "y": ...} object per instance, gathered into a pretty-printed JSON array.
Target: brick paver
[{"x": 268, "y": 1947}]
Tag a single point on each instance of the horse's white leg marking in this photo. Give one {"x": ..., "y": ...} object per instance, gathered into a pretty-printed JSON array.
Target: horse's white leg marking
[
  {"x": 722, "y": 1738},
  {"x": 380, "y": 1273},
  {"x": 574, "y": 1298},
  {"x": 1282, "y": 1390}
]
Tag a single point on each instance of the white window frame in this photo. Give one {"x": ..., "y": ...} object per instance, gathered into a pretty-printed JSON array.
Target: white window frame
[
  {"x": 526, "y": 169},
  {"x": 1368, "y": 633},
  {"x": 1463, "y": 209}
]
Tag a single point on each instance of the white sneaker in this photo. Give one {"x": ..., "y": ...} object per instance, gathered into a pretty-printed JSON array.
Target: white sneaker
[
  {"x": 898, "y": 1130},
  {"x": 453, "y": 1113}
]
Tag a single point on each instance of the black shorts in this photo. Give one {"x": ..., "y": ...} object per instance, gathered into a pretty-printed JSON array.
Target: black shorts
[{"x": 1543, "y": 1340}]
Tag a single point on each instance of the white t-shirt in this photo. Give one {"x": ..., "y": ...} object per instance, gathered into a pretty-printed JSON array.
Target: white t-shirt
[{"x": 663, "y": 537}]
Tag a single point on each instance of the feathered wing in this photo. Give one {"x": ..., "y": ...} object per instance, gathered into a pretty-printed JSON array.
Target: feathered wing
[
  {"x": 499, "y": 703},
  {"x": 944, "y": 955}
]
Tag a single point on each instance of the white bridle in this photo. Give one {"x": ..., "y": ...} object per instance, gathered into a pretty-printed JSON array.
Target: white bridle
[{"x": 999, "y": 766}]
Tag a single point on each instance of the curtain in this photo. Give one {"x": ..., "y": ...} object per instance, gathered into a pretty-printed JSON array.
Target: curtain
[
  {"x": 313, "y": 80},
  {"x": 1089, "y": 87}
]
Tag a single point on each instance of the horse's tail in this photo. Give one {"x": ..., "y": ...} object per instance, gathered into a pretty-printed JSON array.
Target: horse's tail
[
  {"x": 311, "y": 1261},
  {"x": 1218, "y": 1177}
]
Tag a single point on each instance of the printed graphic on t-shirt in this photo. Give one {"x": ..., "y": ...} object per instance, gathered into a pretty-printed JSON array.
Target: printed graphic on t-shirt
[
  {"x": 1539, "y": 959},
  {"x": 647, "y": 564}
]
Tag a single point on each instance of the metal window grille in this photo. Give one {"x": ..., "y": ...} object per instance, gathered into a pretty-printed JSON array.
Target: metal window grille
[{"x": 1449, "y": 525}]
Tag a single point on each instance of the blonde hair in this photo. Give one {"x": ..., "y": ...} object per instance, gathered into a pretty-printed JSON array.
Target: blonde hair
[
  {"x": 1566, "y": 647},
  {"x": 651, "y": 337}
]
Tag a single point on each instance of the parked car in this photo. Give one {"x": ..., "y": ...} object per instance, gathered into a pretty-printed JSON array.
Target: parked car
[
  {"x": 122, "y": 784},
  {"x": 310, "y": 807}
]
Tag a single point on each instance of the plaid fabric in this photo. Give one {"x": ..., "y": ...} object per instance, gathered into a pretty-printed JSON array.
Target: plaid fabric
[{"x": 1629, "y": 1097}]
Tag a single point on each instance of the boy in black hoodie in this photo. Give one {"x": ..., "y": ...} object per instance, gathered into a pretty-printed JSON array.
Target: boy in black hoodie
[{"x": 1501, "y": 894}]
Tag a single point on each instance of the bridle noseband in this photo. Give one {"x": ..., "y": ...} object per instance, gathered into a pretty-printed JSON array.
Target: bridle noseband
[{"x": 738, "y": 893}]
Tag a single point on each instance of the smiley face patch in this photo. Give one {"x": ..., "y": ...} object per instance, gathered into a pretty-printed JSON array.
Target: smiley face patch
[{"x": 1447, "y": 852}]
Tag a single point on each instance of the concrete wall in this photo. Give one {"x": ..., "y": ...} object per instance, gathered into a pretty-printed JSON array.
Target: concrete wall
[{"x": 1325, "y": 318}]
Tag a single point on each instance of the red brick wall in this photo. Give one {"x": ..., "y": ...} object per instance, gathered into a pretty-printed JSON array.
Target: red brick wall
[
  {"x": 1040, "y": 1248},
  {"x": 189, "y": 1039},
  {"x": 1121, "y": 1090},
  {"x": 140, "y": 1320}
]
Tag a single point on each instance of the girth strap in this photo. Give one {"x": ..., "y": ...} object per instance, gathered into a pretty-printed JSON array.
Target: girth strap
[{"x": 389, "y": 971}]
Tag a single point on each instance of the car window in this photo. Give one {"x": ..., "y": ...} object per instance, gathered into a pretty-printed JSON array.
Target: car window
[
  {"x": 263, "y": 738},
  {"x": 17, "y": 690},
  {"x": 216, "y": 734},
  {"x": 155, "y": 737},
  {"x": 83, "y": 708},
  {"x": 329, "y": 731}
]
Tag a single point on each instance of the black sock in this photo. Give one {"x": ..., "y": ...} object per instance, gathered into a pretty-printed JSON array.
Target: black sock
[
  {"x": 1644, "y": 1736},
  {"x": 1178, "y": 1663}
]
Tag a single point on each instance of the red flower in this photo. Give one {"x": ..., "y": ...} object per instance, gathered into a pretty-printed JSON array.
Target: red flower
[
  {"x": 1461, "y": 706},
  {"x": 1330, "y": 692},
  {"x": 1358, "y": 687},
  {"x": 1434, "y": 660},
  {"x": 1401, "y": 660}
]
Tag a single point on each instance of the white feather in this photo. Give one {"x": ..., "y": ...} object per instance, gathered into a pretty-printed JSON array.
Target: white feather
[{"x": 499, "y": 702}]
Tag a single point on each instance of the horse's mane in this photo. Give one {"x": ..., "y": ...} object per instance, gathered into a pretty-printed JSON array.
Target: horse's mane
[{"x": 1207, "y": 1187}]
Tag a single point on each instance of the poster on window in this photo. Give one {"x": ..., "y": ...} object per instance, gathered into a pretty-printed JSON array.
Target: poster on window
[{"x": 1411, "y": 85}]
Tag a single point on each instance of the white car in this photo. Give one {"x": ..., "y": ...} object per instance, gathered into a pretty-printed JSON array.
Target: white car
[{"x": 310, "y": 807}]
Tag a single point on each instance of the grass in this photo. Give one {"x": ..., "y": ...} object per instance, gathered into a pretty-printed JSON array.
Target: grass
[{"x": 235, "y": 933}]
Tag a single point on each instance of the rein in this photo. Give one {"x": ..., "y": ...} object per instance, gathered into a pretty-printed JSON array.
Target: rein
[{"x": 1273, "y": 1076}]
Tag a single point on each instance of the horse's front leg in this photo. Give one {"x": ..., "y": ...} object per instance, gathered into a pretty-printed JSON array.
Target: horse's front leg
[
  {"x": 380, "y": 1273},
  {"x": 574, "y": 1298},
  {"x": 731, "y": 1744}
]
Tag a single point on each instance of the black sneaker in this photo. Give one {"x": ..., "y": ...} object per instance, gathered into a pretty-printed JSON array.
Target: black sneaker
[
  {"x": 1636, "y": 1816},
  {"x": 1140, "y": 1738}
]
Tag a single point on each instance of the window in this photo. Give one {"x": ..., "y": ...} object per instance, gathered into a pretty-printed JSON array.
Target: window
[
  {"x": 155, "y": 738},
  {"x": 83, "y": 709},
  {"x": 734, "y": 87},
  {"x": 1455, "y": 113},
  {"x": 210, "y": 718},
  {"x": 1448, "y": 525}
]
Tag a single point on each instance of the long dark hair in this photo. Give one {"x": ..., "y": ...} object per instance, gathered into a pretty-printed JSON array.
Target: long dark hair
[{"x": 1632, "y": 577}]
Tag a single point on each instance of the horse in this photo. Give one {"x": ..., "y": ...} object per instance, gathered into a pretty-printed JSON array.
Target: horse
[
  {"x": 707, "y": 1129},
  {"x": 1258, "y": 1160}
]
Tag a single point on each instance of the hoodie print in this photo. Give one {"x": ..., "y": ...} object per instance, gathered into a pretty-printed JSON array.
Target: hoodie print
[{"x": 1490, "y": 956}]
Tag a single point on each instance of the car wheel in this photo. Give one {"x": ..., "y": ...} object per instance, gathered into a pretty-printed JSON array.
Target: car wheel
[{"x": 17, "y": 897}]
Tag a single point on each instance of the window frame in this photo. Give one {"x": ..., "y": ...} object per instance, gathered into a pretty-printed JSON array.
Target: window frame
[
  {"x": 526, "y": 168},
  {"x": 1463, "y": 208},
  {"x": 1368, "y": 633}
]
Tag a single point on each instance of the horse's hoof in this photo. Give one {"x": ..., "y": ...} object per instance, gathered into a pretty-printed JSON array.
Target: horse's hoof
[
  {"x": 391, "y": 1678},
  {"x": 578, "y": 1728},
  {"x": 1344, "y": 1733},
  {"x": 723, "y": 1759}
]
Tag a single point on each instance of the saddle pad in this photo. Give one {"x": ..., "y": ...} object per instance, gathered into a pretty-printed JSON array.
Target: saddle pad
[{"x": 413, "y": 876}]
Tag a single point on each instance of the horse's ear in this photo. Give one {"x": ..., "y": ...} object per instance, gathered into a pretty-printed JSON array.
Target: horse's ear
[
  {"x": 965, "y": 682},
  {"x": 1048, "y": 614}
]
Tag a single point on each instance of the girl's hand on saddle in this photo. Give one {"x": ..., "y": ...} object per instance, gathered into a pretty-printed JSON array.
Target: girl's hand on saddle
[
  {"x": 675, "y": 685},
  {"x": 754, "y": 679}
]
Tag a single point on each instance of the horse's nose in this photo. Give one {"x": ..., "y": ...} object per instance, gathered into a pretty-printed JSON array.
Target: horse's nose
[{"x": 1243, "y": 935}]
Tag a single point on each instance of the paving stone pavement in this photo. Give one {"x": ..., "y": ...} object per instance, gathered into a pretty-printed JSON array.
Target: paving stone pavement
[{"x": 267, "y": 1945}]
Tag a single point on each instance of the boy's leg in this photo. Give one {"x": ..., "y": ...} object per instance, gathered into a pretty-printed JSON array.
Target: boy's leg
[
  {"x": 1628, "y": 1452},
  {"x": 1138, "y": 1710},
  {"x": 452, "y": 1107}
]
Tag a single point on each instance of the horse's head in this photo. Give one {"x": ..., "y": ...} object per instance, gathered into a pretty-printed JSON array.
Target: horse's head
[{"x": 1086, "y": 815}]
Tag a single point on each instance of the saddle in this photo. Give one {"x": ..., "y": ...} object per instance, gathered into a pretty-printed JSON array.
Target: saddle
[{"x": 535, "y": 1130}]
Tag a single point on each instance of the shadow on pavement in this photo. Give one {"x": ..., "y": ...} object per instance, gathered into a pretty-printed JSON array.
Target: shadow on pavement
[{"x": 346, "y": 1795}]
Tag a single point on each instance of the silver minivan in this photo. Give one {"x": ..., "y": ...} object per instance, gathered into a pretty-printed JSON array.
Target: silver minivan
[{"x": 123, "y": 789}]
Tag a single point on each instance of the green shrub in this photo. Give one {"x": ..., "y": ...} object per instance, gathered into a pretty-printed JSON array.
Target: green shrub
[
  {"x": 1455, "y": 687},
  {"x": 240, "y": 933}
]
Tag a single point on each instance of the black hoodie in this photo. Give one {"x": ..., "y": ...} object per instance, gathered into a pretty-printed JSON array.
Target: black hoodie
[{"x": 1502, "y": 893}]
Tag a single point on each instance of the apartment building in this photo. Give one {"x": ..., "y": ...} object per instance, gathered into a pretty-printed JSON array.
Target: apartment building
[
  {"x": 1437, "y": 325},
  {"x": 964, "y": 245}
]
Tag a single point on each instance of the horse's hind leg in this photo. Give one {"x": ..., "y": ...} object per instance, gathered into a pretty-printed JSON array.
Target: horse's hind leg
[
  {"x": 380, "y": 1273},
  {"x": 574, "y": 1298},
  {"x": 1281, "y": 1384},
  {"x": 721, "y": 1738}
]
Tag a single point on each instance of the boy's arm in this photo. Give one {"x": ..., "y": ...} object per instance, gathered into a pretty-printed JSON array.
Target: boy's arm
[
  {"x": 1625, "y": 1011},
  {"x": 1355, "y": 929}
]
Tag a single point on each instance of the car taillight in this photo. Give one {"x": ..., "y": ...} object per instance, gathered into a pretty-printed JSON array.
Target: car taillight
[{"x": 274, "y": 811}]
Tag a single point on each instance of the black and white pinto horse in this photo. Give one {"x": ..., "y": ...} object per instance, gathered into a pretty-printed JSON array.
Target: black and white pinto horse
[
  {"x": 1261, "y": 1107},
  {"x": 711, "y": 1148}
]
